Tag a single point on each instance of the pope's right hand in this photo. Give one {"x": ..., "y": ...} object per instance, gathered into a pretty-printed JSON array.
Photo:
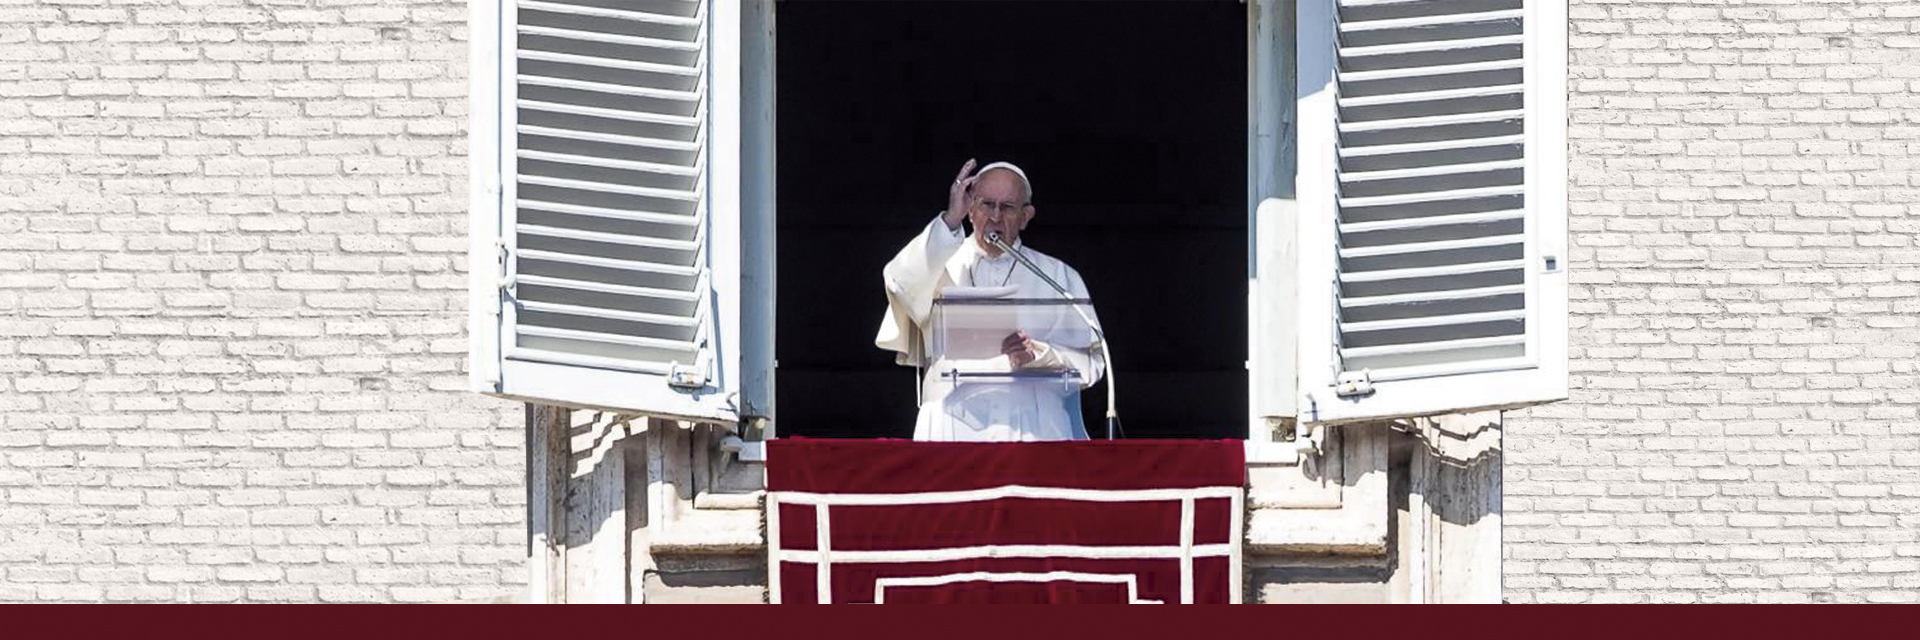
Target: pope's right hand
[{"x": 958, "y": 196}]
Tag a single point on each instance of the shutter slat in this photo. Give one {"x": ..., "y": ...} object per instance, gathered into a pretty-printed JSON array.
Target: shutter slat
[
  {"x": 609, "y": 163},
  {"x": 609, "y": 314},
  {"x": 617, "y": 14},
  {"x": 607, "y": 288},
  {"x": 1432, "y": 296},
  {"x": 608, "y": 263},
  {"x": 1429, "y": 46},
  {"x": 1427, "y": 96},
  {"x": 1430, "y": 21},
  {"x": 1451, "y": 368},
  {"x": 1433, "y": 321},
  {"x": 1376, "y": 3},
  {"x": 616, "y": 214},
  {"x": 592, "y": 136},
  {"x": 687, "y": 95},
  {"x": 1436, "y": 170},
  {"x": 609, "y": 238},
  {"x": 1432, "y": 347},
  {"x": 612, "y": 38},
  {"x": 1388, "y": 275},
  {"x": 1433, "y": 196},
  {"x": 609, "y": 338},
  {"x": 1433, "y": 221},
  {"x": 1433, "y": 70},
  {"x": 604, "y": 187},
  {"x": 568, "y": 357},
  {"x": 1425, "y": 247},
  {"x": 612, "y": 114},
  {"x": 1431, "y": 121},
  {"x": 1435, "y": 145},
  {"x": 609, "y": 63}
]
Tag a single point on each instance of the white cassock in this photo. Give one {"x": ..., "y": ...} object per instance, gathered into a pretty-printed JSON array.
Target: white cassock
[{"x": 939, "y": 258}]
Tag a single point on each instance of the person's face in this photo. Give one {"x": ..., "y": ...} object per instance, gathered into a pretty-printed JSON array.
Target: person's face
[{"x": 997, "y": 205}]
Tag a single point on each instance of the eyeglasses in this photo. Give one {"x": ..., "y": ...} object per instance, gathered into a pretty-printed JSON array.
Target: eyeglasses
[{"x": 998, "y": 208}]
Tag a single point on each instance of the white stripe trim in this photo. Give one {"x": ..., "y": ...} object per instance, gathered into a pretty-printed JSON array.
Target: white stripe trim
[
  {"x": 1186, "y": 551},
  {"x": 1005, "y": 491},
  {"x": 823, "y": 562},
  {"x": 1083, "y": 552},
  {"x": 774, "y": 574},
  {"x": 1131, "y": 581}
]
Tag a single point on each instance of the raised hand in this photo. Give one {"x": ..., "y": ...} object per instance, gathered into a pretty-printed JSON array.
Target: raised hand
[{"x": 957, "y": 196}]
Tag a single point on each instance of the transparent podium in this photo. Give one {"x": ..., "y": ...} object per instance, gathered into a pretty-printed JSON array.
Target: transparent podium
[{"x": 975, "y": 391}]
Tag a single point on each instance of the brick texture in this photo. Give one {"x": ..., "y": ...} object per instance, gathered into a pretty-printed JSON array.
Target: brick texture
[
  {"x": 232, "y": 308},
  {"x": 1745, "y": 419}
]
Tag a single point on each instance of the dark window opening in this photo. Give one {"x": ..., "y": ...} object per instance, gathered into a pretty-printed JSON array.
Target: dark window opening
[{"x": 1131, "y": 119}]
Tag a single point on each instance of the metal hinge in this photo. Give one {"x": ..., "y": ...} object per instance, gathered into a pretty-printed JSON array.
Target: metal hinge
[
  {"x": 680, "y": 377},
  {"x": 1354, "y": 383},
  {"x": 501, "y": 261}
]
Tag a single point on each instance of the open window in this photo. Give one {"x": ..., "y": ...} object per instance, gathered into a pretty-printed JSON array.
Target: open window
[
  {"x": 1130, "y": 117},
  {"x": 1412, "y": 263},
  {"x": 607, "y": 205},
  {"x": 1432, "y": 192}
]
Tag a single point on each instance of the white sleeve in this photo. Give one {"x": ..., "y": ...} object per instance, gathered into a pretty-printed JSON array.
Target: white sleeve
[{"x": 913, "y": 275}]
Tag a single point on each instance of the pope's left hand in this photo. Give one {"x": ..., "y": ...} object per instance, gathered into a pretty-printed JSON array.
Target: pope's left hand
[{"x": 1020, "y": 349}]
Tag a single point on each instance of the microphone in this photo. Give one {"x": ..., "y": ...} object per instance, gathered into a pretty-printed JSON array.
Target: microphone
[{"x": 1099, "y": 335}]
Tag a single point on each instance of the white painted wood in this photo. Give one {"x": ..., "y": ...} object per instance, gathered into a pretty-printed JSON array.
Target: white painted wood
[
  {"x": 621, "y": 127},
  {"x": 602, "y": 389},
  {"x": 1271, "y": 370},
  {"x": 1431, "y": 21},
  {"x": 484, "y": 196},
  {"x": 758, "y": 246},
  {"x": 1427, "y": 46},
  {"x": 1436, "y": 145},
  {"x": 725, "y": 182},
  {"x": 1433, "y": 221},
  {"x": 1389, "y": 310},
  {"x": 1318, "y": 300}
]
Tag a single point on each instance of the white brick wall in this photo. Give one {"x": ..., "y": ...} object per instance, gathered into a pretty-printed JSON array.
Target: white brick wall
[
  {"x": 1745, "y": 420},
  {"x": 231, "y": 310},
  {"x": 232, "y": 325}
]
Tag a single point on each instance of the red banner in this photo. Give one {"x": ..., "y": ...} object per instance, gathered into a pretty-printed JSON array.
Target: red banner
[{"x": 889, "y": 521}]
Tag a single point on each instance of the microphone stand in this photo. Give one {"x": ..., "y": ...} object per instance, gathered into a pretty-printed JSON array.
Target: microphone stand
[{"x": 1100, "y": 335}]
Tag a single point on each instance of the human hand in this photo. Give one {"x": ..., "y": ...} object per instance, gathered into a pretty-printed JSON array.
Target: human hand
[
  {"x": 957, "y": 196},
  {"x": 1020, "y": 349}
]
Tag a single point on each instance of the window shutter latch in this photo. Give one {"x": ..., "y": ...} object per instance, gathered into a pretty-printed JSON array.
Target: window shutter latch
[
  {"x": 501, "y": 261},
  {"x": 1354, "y": 383},
  {"x": 684, "y": 377}
]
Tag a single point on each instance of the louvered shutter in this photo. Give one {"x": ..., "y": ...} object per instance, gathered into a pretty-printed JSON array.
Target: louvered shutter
[
  {"x": 613, "y": 276},
  {"x": 1432, "y": 189}
]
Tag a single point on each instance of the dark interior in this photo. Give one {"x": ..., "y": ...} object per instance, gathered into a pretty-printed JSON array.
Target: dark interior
[{"x": 1130, "y": 117}]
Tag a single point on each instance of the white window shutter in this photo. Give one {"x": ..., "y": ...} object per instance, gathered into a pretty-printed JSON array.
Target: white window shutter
[
  {"x": 606, "y": 217},
  {"x": 1432, "y": 190}
]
